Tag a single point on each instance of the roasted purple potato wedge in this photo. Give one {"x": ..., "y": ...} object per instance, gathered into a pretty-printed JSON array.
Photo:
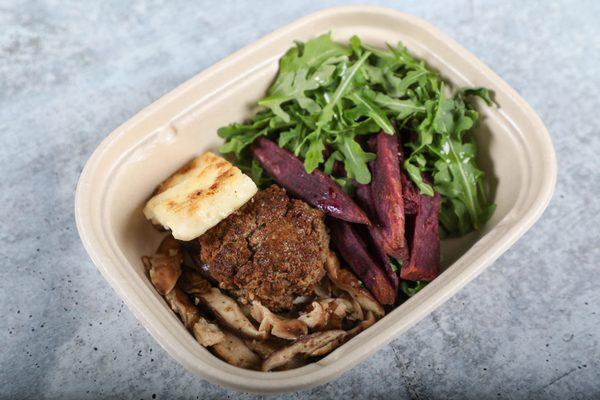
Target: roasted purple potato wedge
[
  {"x": 315, "y": 188},
  {"x": 352, "y": 248},
  {"x": 386, "y": 192},
  {"x": 424, "y": 264},
  {"x": 376, "y": 234},
  {"x": 410, "y": 195}
]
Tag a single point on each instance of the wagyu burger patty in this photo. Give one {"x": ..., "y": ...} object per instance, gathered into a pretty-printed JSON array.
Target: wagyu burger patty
[{"x": 273, "y": 249}]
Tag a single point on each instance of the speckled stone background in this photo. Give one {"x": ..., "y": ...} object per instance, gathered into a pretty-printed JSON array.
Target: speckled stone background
[{"x": 71, "y": 72}]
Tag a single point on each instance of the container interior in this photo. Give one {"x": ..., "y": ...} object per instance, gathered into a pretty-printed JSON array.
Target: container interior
[{"x": 166, "y": 148}]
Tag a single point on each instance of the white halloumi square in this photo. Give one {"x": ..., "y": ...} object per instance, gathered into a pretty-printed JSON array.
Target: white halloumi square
[{"x": 198, "y": 196}]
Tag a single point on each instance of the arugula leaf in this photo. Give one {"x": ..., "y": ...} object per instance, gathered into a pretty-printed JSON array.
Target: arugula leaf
[
  {"x": 327, "y": 96},
  {"x": 410, "y": 79},
  {"x": 340, "y": 91},
  {"x": 356, "y": 45},
  {"x": 355, "y": 158},
  {"x": 259, "y": 121},
  {"x": 253, "y": 169},
  {"x": 322, "y": 49},
  {"x": 443, "y": 120},
  {"x": 293, "y": 86},
  {"x": 314, "y": 154},
  {"x": 401, "y": 108},
  {"x": 479, "y": 92},
  {"x": 303, "y": 68},
  {"x": 239, "y": 142},
  {"x": 395, "y": 264},
  {"x": 333, "y": 157},
  {"x": 365, "y": 106},
  {"x": 289, "y": 139},
  {"x": 415, "y": 175},
  {"x": 412, "y": 288}
]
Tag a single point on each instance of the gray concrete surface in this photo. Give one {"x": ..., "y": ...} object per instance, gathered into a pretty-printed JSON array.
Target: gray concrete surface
[{"x": 70, "y": 72}]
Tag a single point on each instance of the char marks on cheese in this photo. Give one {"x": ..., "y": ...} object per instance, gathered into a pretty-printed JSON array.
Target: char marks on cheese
[{"x": 198, "y": 196}]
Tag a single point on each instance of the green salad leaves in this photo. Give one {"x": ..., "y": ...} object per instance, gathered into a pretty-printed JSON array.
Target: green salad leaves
[
  {"x": 412, "y": 288},
  {"x": 327, "y": 97}
]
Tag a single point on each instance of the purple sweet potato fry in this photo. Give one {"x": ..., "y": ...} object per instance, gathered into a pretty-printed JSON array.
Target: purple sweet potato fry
[
  {"x": 315, "y": 188},
  {"x": 376, "y": 233},
  {"x": 353, "y": 250},
  {"x": 338, "y": 169},
  {"x": 386, "y": 191},
  {"x": 424, "y": 263},
  {"x": 363, "y": 196},
  {"x": 410, "y": 195}
]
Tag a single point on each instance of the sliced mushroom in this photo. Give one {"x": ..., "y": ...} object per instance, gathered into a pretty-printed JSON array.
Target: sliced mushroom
[
  {"x": 164, "y": 270},
  {"x": 222, "y": 306},
  {"x": 316, "y": 318},
  {"x": 246, "y": 308},
  {"x": 339, "y": 307},
  {"x": 357, "y": 311},
  {"x": 207, "y": 334},
  {"x": 229, "y": 313},
  {"x": 336, "y": 310},
  {"x": 306, "y": 346},
  {"x": 362, "y": 325},
  {"x": 327, "y": 314},
  {"x": 164, "y": 267},
  {"x": 347, "y": 281},
  {"x": 193, "y": 283},
  {"x": 278, "y": 326},
  {"x": 329, "y": 347},
  {"x": 302, "y": 301},
  {"x": 234, "y": 351},
  {"x": 182, "y": 305},
  {"x": 295, "y": 362},
  {"x": 323, "y": 288},
  {"x": 170, "y": 247},
  {"x": 264, "y": 348}
]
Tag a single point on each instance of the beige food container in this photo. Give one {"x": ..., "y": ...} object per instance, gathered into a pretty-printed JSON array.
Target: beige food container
[{"x": 515, "y": 152}]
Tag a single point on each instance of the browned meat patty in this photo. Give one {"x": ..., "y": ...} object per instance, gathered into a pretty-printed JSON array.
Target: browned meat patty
[{"x": 272, "y": 249}]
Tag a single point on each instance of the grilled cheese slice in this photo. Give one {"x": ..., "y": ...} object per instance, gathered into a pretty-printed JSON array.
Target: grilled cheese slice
[{"x": 198, "y": 196}]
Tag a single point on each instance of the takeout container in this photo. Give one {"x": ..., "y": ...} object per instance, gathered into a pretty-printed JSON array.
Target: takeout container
[{"x": 515, "y": 152}]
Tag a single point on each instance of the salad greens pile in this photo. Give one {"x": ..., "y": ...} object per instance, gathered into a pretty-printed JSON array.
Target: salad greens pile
[{"x": 327, "y": 97}]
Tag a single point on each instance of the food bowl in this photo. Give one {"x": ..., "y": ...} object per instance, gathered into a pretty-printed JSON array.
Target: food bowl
[{"x": 515, "y": 152}]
